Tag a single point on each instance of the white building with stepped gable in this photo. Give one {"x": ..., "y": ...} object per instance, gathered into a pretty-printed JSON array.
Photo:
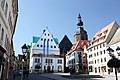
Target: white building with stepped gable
[{"x": 46, "y": 54}]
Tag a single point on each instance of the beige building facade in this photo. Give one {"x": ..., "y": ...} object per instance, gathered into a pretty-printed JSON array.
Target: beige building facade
[{"x": 97, "y": 54}]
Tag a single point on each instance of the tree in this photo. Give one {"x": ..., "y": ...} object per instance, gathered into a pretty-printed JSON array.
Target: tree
[{"x": 114, "y": 63}]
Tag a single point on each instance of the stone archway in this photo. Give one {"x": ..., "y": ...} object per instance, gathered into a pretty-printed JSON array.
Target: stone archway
[{"x": 59, "y": 68}]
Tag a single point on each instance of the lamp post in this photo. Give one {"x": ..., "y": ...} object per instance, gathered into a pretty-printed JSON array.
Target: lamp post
[
  {"x": 24, "y": 50},
  {"x": 114, "y": 60}
]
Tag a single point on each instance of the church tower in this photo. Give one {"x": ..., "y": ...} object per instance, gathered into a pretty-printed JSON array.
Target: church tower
[{"x": 80, "y": 34}]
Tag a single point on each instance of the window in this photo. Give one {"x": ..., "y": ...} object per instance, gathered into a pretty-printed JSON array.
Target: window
[
  {"x": 101, "y": 52},
  {"x": 95, "y": 61},
  {"x": 95, "y": 70},
  {"x": 90, "y": 55},
  {"x": 51, "y": 40},
  {"x": 104, "y": 51},
  {"x": 2, "y": 4},
  {"x": 37, "y": 45},
  {"x": 104, "y": 59},
  {"x": 59, "y": 61},
  {"x": 97, "y": 47},
  {"x": 45, "y": 34},
  {"x": 51, "y": 46},
  {"x": 48, "y": 34},
  {"x": 41, "y": 39},
  {"x": 54, "y": 46},
  {"x": 90, "y": 49},
  {"x": 97, "y": 54},
  {"x": 100, "y": 46},
  {"x": 90, "y": 69},
  {"x": 2, "y": 35},
  {"x": 94, "y": 54},
  {"x": 38, "y": 61},
  {"x": 99, "y": 69},
  {"x": 46, "y": 60},
  {"x": 101, "y": 60},
  {"x": 6, "y": 9},
  {"x": 41, "y": 45},
  {"x": 98, "y": 60},
  {"x": 103, "y": 45},
  {"x": 35, "y": 60}
]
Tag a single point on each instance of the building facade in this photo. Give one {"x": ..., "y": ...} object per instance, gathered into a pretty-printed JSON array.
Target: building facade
[
  {"x": 46, "y": 53},
  {"x": 8, "y": 18},
  {"x": 76, "y": 58},
  {"x": 97, "y": 55}
]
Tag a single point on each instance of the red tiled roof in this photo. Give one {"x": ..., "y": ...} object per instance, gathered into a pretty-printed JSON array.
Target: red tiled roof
[{"x": 79, "y": 44}]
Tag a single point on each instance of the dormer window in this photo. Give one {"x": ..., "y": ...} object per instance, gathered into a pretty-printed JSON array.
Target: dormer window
[
  {"x": 94, "y": 38},
  {"x": 78, "y": 47},
  {"x": 105, "y": 31}
]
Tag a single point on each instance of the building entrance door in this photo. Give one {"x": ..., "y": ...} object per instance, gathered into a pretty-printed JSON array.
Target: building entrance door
[{"x": 48, "y": 69}]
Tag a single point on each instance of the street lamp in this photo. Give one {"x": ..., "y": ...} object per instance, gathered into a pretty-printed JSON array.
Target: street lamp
[
  {"x": 118, "y": 51},
  {"x": 110, "y": 52},
  {"x": 114, "y": 62},
  {"x": 24, "y": 50}
]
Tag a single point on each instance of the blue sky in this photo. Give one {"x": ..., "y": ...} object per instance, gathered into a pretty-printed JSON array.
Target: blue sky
[{"x": 60, "y": 16}]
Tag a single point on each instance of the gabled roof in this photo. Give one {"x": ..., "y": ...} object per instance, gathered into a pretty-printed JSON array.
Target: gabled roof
[
  {"x": 65, "y": 45},
  {"x": 56, "y": 40},
  {"x": 116, "y": 38},
  {"x": 78, "y": 46},
  {"x": 105, "y": 34},
  {"x": 35, "y": 39}
]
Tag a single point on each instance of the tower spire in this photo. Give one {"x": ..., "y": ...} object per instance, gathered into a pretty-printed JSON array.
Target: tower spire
[{"x": 80, "y": 23}]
